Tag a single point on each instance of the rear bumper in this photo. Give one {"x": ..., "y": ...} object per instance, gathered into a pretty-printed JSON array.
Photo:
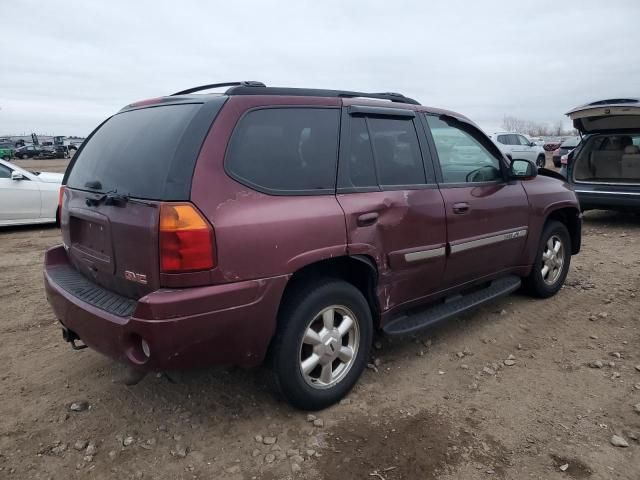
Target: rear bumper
[
  {"x": 610, "y": 198},
  {"x": 228, "y": 324}
]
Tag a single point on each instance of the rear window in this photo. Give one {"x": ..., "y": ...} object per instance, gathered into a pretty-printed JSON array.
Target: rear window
[
  {"x": 148, "y": 153},
  {"x": 286, "y": 150}
]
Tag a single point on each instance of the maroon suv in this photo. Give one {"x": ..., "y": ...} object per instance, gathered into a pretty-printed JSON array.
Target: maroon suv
[{"x": 290, "y": 224}]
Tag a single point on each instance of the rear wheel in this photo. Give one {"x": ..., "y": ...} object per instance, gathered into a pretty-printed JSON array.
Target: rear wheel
[
  {"x": 322, "y": 343},
  {"x": 552, "y": 261},
  {"x": 541, "y": 161}
]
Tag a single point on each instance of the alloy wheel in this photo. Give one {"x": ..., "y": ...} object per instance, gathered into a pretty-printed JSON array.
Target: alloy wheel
[
  {"x": 329, "y": 347},
  {"x": 552, "y": 260}
]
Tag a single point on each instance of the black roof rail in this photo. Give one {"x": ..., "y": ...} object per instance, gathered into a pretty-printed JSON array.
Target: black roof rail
[
  {"x": 248, "y": 83},
  {"x": 613, "y": 101},
  {"x": 242, "y": 89}
]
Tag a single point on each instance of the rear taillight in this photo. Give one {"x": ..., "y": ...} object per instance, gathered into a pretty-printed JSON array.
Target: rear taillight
[
  {"x": 186, "y": 239},
  {"x": 564, "y": 159},
  {"x": 60, "y": 196}
]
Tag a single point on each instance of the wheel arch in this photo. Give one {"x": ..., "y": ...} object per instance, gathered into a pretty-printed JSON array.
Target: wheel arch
[
  {"x": 572, "y": 219},
  {"x": 358, "y": 270}
]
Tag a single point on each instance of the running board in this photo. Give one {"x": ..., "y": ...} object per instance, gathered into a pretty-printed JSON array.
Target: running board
[{"x": 452, "y": 306}]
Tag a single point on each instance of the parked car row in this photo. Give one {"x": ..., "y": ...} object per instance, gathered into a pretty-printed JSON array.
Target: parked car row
[{"x": 42, "y": 151}]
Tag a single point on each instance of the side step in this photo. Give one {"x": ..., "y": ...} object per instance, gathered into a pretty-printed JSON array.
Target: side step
[{"x": 452, "y": 307}]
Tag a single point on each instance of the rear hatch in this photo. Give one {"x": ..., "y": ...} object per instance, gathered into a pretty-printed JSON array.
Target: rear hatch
[
  {"x": 607, "y": 116},
  {"x": 134, "y": 161}
]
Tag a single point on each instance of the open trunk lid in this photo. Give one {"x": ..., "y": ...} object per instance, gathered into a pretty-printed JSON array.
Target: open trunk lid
[
  {"x": 116, "y": 183},
  {"x": 613, "y": 115}
]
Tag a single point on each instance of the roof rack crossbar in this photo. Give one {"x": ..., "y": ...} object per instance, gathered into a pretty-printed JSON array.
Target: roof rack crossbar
[{"x": 248, "y": 83}]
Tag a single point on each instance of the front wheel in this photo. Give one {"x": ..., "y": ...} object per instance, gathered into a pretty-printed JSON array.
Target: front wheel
[
  {"x": 552, "y": 261},
  {"x": 541, "y": 161},
  {"x": 322, "y": 344}
]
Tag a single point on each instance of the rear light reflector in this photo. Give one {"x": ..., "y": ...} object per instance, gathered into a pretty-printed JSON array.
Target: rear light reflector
[{"x": 186, "y": 239}]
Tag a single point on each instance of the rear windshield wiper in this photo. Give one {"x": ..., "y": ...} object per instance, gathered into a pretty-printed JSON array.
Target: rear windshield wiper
[{"x": 112, "y": 197}]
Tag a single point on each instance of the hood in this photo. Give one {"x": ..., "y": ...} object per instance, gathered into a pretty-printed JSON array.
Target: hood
[
  {"x": 607, "y": 116},
  {"x": 50, "y": 177}
]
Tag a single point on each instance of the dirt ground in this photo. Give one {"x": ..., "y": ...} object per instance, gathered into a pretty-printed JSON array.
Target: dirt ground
[{"x": 441, "y": 405}]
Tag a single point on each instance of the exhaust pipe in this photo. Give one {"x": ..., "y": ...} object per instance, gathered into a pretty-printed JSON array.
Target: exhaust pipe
[{"x": 72, "y": 337}]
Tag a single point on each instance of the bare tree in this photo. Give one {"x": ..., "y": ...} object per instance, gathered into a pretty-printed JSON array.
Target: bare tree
[
  {"x": 513, "y": 124},
  {"x": 535, "y": 129}
]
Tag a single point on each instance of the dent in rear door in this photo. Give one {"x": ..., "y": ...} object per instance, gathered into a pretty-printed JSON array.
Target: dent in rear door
[{"x": 401, "y": 227}]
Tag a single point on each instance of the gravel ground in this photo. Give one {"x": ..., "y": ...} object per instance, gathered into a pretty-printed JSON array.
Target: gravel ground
[{"x": 518, "y": 389}]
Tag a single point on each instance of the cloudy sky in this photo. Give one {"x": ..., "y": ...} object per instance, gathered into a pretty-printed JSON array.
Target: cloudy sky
[{"x": 67, "y": 65}]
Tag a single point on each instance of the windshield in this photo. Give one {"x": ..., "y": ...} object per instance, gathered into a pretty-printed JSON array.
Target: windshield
[{"x": 137, "y": 153}]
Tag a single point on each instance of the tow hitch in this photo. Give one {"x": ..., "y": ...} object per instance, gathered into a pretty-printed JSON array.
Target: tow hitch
[{"x": 72, "y": 337}]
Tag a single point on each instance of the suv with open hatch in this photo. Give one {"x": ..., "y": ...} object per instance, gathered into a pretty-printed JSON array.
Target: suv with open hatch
[
  {"x": 604, "y": 168},
  {"x": 286, "y": 226}
]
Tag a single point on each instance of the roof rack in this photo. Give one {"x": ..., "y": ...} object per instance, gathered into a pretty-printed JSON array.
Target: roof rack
[
  {"x": 316, "y": 92},
  {"x": 259, "y": 88},
  {"x": 248, "y": 83}
]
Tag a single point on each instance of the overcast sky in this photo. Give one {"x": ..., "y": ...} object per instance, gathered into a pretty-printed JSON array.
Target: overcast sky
[{"x": 67, "y": 65}]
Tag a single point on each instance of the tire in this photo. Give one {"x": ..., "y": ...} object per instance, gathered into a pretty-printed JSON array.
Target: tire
[
  {"x": 544, "y": 285},
  {"x": 541, "y": 161},
  {"x": 305, "y": 309},
  {"x": 6, "y": 158}
]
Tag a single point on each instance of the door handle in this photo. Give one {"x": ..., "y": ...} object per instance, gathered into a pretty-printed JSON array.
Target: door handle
[
  {"x": 460, "y": 208},
  {"x": 367, "y": 219}
]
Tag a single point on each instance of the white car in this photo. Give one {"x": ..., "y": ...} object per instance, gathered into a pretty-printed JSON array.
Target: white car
[
  {"x": 519, "y": 147},
  {"x": 27, "y": 197}
]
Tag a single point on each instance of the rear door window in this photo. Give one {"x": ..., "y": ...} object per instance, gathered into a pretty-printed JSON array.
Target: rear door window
[
  {"x": 396, "y": 151},
  {"x": 286, "y": 150},
  {"x": 147, "y": 153},
  {"x": 381, "y": 152},
  {"x": 358, "y": 165}
]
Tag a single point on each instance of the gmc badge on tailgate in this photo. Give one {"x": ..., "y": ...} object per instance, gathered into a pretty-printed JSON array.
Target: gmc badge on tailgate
[{"x": 135, "y": 277}]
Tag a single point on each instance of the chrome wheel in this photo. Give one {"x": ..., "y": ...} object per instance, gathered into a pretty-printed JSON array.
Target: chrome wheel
[
  {"x": 552, "y": 260},
  {"x": 329, "y": 347}
]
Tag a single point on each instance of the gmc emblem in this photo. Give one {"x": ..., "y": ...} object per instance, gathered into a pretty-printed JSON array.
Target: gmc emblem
[{"x": 135, "y": 277}]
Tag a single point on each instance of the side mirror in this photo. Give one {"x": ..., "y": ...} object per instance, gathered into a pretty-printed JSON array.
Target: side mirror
[
  {"x": 16, "y": 175},
  {"x": 523, "y": 170}
]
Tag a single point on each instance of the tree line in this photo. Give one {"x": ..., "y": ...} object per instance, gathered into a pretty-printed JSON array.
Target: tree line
[{"x": 536, "y": 129}]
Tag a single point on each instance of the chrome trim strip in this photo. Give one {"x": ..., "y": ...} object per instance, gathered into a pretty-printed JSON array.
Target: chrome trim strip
[
  {"x": 482, "y": 242},
  {"x": 424, "y": 254},
  {"x": 607, "y": 192}
]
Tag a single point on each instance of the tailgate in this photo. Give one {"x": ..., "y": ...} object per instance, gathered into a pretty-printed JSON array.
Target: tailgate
[{"x": 116, "y": 246}]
